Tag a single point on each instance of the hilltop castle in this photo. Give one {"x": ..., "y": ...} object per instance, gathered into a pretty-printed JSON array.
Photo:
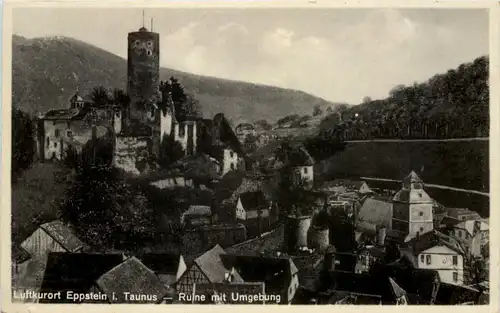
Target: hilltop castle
[{"x": 138, "y": 129}]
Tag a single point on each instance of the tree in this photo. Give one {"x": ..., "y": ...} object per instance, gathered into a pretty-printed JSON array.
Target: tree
[
  {"x": 121, "y": 99},
  {"x": 263, "y": 124},
  {"x": 100, "y": 96},
  {"x": 107, "y": 210},
  {"x": 317, "y": 111},
  {"x": 23, "y": 142},
  {"x": 367, "y": 99},
  {"x": 170, "y": 151},
  {"x": 329, "y": 110}
]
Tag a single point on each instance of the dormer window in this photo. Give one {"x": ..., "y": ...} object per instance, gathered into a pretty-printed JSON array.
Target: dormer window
[{"x": 56, "y": 133}]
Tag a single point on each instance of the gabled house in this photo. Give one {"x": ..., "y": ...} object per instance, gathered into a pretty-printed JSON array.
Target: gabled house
[
  {"x": 208, "y": 268},
  {"x": 54, "y": 236},
  {"x": 169, "y": 267},
  {"x": 463, "y": 214},
  {"x": 376, "y": 212},
  {"x": 132, "y": 282},
  {"x": 76, "y": 273},
  {"x": 436, "y": 251},
  {"x": 197, "y": 215},
  {"x": 338, "y": 186},
  {"x": 368, "y": 256},
  {"x": 252, "y": 205},
  {"x": 279, "y": 274},
  {"x": 474, "y": 234},
  {"x": 420, "y": 285}
]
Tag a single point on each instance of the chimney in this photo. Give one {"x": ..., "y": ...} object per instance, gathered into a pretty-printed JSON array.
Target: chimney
[{"x": 381, "y": 234}]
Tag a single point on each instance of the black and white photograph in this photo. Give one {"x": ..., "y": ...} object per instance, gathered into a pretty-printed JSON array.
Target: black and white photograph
[{"x": 250, "y": 155}]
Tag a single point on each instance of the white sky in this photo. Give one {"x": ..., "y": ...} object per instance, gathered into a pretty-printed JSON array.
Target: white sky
[{"x": 338, "y": 54}]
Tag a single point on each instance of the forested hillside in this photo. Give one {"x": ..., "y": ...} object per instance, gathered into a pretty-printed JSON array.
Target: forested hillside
[{"x": 450, "y": 105}]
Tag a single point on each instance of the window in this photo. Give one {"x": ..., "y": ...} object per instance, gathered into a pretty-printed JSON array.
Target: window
[
  {"x": 305, "y": 170},
  {"x": 55, "y": 144},
  {"x": 422, "y": 258},
  {"x": 232, "y": 166},
  {"x": 455, "y": 276},
  {"x": 421, "y": 213},
  {"x": 421, "y": 229},
  {"x": 56, "y": 133},
  {"x": 149, "y": 53},
  {"x": 460, "y": 234},
  {"x": 455, "y": 260},
  {"x": 231, "y": 153},
  {"x": 428, "y": 259},
  {"x": 48, "y": 142},
  {"x": 69, "y": 133}
]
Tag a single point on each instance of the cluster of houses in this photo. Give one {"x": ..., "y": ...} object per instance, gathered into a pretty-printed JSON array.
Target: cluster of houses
[{"x": 243, "y": 242}]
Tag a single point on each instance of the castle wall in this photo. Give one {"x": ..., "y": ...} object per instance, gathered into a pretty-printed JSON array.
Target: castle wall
[{"x": 129, "y": 152}]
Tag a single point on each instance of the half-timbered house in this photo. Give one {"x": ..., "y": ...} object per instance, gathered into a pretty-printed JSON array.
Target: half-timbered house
[{"x": 206, "y": 269}]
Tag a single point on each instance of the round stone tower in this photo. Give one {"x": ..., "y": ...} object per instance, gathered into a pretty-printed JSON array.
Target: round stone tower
[
  {"x": 319, "y": 238},
  {"x": 296, "y": 229},
  {"x": 143, "y": 71}
]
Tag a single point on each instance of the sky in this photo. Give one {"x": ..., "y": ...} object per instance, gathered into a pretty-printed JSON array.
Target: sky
[{"x": 341, "y": 55}]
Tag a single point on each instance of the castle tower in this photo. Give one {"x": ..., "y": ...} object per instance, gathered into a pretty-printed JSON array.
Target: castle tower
[
  {"x": 143, "y": 72},
  {"x": 412, "y": 208}
]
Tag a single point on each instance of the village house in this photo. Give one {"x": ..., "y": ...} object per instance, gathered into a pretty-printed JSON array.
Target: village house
[
  {"x": 368, "y": 256},
  {"x": 302, "y": 165},
  {"x": 436, "y": 251},
  {"x": 169, "y": 267},
  {"x": 132, "y": 277},
  {"x": 243, "y": 130},
  {"x": 463, "y": 214},
  {"x": 252, "y": 205},
  {"x": 52, "y": 237},
  {"x": 376, "y": 212},
  {"x": 208, "y": 268},
  {"x": 197, "y": 215},
  {"x": 474, "y": 234},
  {"x": 338, "y": 186},
  {"x": 77, "y": 273},
  {"x": 279, "y": 274}
]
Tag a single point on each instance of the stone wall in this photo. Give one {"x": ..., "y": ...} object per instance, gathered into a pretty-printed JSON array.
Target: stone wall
[{"x": 131, "y": 152}]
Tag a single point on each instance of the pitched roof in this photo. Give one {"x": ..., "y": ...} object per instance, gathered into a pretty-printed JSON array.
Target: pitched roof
[
  {"x": 161, "y": 263},
  {"x": 376, "y": 212},
  {"x": 450, "y": 294},
  {"x": 199, "y": 210},
  {"x": 276, "y": 272},
  {"x": 19, "y": 255},
  {"x": 271, "y": 241},
  {"x": 412, "y": 178},
  {"x": 396, "y": 289},
  {"x": 253, "y": 200},
  {"x": 432, "y": 239},
  {"x": 244, "y": 126},
  {"x": 353, "y": 184},
  {"x": 63, "y": 114},
  {"x": 76, "y": 272},
  {"x": 134, "y": 277},
  {"x": 63, "y": 235},
  {"x": 470, "y": 224},
  {"x": 212, "y": 265},
  {"x": 413, "y": 280}
]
